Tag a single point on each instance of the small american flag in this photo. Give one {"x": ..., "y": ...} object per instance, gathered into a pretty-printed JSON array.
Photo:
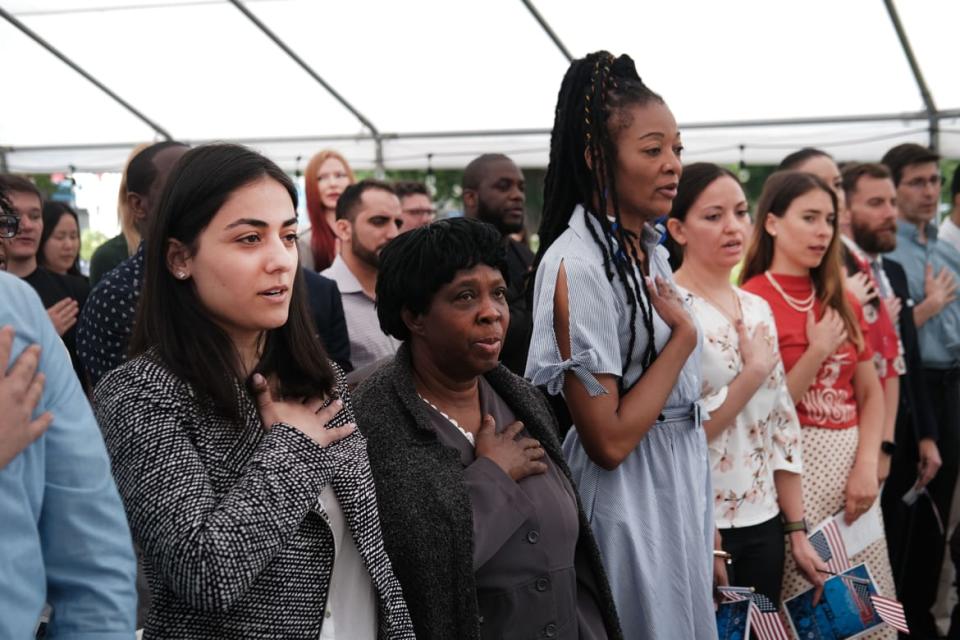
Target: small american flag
[
  {"x": 861, "y": 597},
  {"x": 734, "y": 594},
  {"x": 829, "y": 546},
  {"x": 891, "y": 612},
  {"x": 764, "y": 619}
]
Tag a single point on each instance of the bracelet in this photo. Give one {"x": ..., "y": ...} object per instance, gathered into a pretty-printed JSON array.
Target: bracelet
[
  {"x": 725, "y": 556},
  {"x": 798, "y": 525},
  {"x": 888, "y": 447}
]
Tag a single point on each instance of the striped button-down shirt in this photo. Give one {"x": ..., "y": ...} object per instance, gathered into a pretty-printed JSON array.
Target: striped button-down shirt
[{"x": 368, "y": 342}]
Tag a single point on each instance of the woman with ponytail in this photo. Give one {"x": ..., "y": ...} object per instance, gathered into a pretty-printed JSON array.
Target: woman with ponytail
[
  {"x": 612, "y": 335},
  {"x": 326, "y": 176}
]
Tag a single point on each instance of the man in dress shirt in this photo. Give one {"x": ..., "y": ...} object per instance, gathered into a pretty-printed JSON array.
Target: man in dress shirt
[
  {"x": 63, "y": 528},
  {"x": 931, "y": 268},
  {"x": 912, "y": 532},
  {"x": 368, "y": 217},
  {"x": 494, "y": 192}
]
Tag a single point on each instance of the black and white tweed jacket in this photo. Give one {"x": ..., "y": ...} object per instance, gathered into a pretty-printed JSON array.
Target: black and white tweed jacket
[{"x": 227, "y": 515}]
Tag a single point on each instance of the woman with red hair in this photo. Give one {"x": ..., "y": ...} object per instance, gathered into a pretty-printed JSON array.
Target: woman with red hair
[{"x": 326, "y": 176}]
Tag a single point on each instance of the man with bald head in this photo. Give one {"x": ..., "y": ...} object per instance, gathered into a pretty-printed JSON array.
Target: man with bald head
[{"x": 493, "y": 192}]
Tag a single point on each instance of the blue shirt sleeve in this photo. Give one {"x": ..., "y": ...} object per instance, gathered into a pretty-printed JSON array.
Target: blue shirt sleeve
[{"x": 63, "y": 523}]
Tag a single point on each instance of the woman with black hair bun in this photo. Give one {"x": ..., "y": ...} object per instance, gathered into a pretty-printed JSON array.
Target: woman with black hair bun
[
  {"x": 232, "y": 434},
  {"x": 753, "y": 431},
  {"x": 612, "y": 334}
]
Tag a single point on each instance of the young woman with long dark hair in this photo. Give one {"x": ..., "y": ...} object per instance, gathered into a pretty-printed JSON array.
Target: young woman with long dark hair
[
  {"x": 794, "y": 264},
  {"x": 611, "y": 333},
  {"x": 60, "y": 240},
  {"x": 231, "y": 434}
]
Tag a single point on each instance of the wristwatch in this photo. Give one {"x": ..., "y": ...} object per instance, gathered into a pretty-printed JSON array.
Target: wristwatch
[
  {"x": 797, "y": 525},
  {"x": 888, "y": 447}
]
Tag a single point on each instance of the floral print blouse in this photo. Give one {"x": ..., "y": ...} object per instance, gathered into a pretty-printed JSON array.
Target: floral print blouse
[{"x": 765, "y": 436}]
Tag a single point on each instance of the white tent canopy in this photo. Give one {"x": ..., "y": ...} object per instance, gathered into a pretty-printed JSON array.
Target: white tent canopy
[{"x": 448, "y": 79}]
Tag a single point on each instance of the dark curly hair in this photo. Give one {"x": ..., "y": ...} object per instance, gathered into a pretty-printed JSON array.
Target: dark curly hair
[{"x": 415, "y": 265}]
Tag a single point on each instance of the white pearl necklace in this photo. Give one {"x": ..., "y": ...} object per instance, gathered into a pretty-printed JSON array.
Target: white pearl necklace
[
  {"x": 466, "y": 434},
  {"x": 803, "y": 306}
]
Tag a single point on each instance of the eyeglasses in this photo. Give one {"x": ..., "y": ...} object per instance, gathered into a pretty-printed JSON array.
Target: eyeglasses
[
  {"x": 420, "y": 212},
  {"x": 9, "y": 225},
  {"x": 920, "y": 183}
]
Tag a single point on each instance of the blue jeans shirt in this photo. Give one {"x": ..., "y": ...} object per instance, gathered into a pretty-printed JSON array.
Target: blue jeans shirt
[
  {"x": 63, "y": 531},
  {"x": 940, "y": 335}
]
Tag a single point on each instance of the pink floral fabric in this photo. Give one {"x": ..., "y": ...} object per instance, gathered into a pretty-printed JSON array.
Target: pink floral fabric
[{"x": 765, "y": 436}]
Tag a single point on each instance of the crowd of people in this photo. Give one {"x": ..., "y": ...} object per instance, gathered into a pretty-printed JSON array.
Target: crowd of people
[{"x": 390, "y": 426}]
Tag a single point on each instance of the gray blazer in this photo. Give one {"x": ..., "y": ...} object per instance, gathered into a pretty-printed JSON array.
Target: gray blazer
[
  {"x": 227, "y": 514},
  {"x": 426, "y": 511}
]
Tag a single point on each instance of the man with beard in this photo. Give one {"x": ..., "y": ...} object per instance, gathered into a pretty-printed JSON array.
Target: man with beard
[
  {"x": 493, "y": 192},
  {"x": 912, "y": 532},
  {"x": 931, "y": 267},
  {"x": 368, "y": 217}
]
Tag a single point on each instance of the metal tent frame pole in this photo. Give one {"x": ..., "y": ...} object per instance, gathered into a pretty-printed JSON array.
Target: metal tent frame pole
[
  {"x": 479, "y": 133},
  {"x": 73, "y": 65},
  {"x": 547, "y": 29},
  {"x": 933, "y": 116},
  {"x": 375, "y": 133}
]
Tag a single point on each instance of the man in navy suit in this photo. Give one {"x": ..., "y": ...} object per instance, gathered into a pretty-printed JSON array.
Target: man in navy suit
[
  {"x": 912, "y": 532},
  {"x": 326, "y": 307}
]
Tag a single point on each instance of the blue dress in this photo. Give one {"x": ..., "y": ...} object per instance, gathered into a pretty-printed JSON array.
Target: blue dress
[{"x": 652, "y": 515}]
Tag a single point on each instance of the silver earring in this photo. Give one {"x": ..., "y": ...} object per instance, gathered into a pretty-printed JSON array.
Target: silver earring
[{"x": 181, "y": 275}]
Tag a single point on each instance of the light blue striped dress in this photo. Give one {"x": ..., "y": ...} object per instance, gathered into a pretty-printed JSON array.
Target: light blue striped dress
[{"x": 652, "y": 515}]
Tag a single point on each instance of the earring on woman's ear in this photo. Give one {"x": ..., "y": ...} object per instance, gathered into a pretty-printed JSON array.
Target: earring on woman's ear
[{"x": 181, "y": 274}]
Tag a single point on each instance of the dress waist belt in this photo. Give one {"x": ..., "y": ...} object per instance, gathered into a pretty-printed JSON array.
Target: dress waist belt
[{"x": 688, "y": 413}]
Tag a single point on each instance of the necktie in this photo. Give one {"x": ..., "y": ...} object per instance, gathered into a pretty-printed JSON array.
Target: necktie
[{"x": 883, "y": 287}]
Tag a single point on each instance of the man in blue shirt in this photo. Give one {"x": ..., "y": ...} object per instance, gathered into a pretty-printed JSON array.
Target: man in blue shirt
[
  {"x": 63, "y": 528},
  {"x": 932, "y": 269}
]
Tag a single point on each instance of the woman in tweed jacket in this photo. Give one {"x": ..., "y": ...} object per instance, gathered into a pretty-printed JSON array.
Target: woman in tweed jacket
[
  {"x": 480, "y": 517},
  {"x": 247, "y": 488}
]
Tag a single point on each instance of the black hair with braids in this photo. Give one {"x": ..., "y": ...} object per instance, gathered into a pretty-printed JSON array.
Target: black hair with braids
[{"x": 591, "y": 108}]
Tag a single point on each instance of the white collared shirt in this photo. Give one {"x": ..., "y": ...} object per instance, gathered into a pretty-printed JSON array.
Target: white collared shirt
[{"x": 950, "y": 233}]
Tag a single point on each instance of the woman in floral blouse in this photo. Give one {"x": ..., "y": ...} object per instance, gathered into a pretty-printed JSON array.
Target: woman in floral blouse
[{"x": 752, "y": 431}]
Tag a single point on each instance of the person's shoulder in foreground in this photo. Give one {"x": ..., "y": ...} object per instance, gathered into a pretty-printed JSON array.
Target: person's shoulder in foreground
[
  {"x": 64, "y": 530},
  {"x": 106, "y": 321}
]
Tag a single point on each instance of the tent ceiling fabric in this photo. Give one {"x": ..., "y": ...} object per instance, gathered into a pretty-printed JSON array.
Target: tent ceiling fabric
[{"x": 203, "y": 71}]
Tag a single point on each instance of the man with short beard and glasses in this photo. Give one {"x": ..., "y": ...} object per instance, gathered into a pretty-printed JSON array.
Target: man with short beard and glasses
[
  {"x": 931, "y": 268},
  {"x": 912, "y": 532},
  {"x": 368, "y": 217},
  {"x": 493, "y": 192}
]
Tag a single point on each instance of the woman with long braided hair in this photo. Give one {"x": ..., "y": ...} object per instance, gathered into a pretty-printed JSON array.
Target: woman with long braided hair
[{"x": 612, "y": 334}]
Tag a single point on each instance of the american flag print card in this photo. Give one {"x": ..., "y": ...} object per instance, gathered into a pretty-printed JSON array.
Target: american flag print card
[{"x": 846, "y": 609}]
